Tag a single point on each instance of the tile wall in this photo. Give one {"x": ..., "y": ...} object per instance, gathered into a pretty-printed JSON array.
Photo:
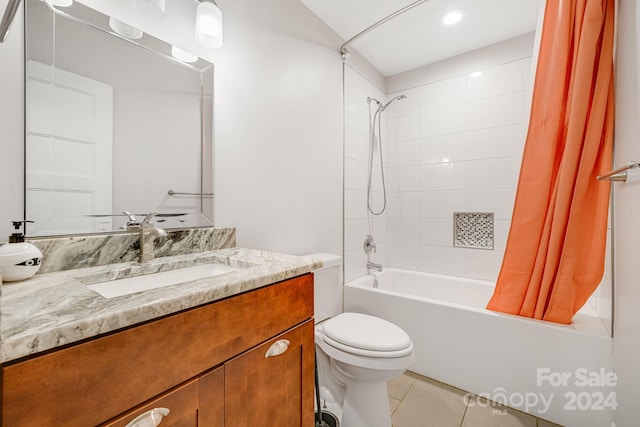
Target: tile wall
[
  {"x": 455, "y": 145},
  {"x": 357, "y": 222},
  {"x": 602, "y": 298}
]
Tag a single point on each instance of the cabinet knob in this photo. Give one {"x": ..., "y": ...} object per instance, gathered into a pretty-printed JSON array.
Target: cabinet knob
[
  {"x": 150, "y": 418},
  {"x": 277, "y": 348}
]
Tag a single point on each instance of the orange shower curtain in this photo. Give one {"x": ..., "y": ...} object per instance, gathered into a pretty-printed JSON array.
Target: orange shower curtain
[{"x": 555, "y": 252}]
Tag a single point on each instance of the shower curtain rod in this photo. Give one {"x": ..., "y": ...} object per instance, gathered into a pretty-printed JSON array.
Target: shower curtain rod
[
  {"x": 344, "y": 52},
  {"x": 7, "y": 18}
]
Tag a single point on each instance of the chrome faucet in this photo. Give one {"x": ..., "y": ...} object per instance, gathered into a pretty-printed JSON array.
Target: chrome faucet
[
  {"x": 370, "y": 245},
  {"x": 373, "y": 266},
  {"x": 148, "y": 234},
  {"x": 132, "y": 223}
]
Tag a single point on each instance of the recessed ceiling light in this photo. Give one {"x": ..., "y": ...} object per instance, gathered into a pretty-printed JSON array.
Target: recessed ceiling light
[
  {"x": 475, "y": 74},
  {"x": 452, "y": 17}
]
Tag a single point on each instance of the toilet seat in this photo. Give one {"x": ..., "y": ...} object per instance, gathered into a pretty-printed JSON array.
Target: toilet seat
[{"x": 365, "y": 335}]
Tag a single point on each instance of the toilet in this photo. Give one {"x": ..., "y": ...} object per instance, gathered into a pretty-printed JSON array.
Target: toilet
[{"x": 356, "y": 353}]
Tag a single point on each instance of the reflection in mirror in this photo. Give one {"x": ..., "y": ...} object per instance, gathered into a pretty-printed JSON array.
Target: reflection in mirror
[{"x": 112, "y": 125}]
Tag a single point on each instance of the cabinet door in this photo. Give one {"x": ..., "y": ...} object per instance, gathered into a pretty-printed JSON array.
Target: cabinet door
[
  {"x": 211, "y": 399},
  {"x": 272, "y": 384}
]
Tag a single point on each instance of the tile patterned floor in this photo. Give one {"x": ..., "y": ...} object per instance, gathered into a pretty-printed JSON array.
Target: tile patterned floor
[{"x": 417, "y": 401}]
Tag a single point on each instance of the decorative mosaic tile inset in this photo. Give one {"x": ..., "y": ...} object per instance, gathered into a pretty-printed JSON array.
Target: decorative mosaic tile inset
[{"x": 473, "y": 230}]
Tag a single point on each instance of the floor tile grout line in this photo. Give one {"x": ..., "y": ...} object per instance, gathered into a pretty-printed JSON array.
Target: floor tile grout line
[
  {"x": 413, "y": 382},
  {"x": 464, "y": 414},
  {"x": 418, "y": 377}
]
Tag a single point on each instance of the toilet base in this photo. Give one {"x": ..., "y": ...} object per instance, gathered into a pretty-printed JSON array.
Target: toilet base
[{"x": 366, "y": 405}]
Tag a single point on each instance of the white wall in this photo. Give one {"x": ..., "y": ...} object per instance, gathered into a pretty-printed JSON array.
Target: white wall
[
  {"x": 278, "y": 128},
  {"x": 626, "y": 333},
  {"x": 11, "y": 126}
]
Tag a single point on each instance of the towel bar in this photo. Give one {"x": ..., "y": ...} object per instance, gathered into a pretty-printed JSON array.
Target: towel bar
[
  {"x": 619, "y": 174},
  {"x": 176, "y": 193}
]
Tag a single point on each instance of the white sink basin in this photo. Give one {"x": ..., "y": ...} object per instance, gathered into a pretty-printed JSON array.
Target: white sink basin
[{"x": 130, "y": 285}]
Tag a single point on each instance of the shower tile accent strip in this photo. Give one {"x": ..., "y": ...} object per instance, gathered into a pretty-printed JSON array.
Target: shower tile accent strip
[
  {"x": 473, "y": 230},
  {"x": 67, "y": 253}
]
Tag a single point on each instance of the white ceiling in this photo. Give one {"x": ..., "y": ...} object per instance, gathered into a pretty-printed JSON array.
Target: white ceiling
[{"x": 417, "y": 37}]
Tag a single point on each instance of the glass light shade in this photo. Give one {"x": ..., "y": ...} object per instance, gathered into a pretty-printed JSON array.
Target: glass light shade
[
  {"x": 61, "y": 3},
  {"x": 153, "y": 8},
  {"x": 125, "y": 30},
  {"x": 208, "y": 25},
  {"x": 182, "y": 55}
]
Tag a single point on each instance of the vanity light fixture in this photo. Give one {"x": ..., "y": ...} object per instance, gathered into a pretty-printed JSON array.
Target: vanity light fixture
[
  {"x": 125, "y": 30},
  {"x": 153, "y": 8},
  {"x": 182, "y": 55},
  {"x": 208, "y": 24},
  {"x": 452, "y": 17}
]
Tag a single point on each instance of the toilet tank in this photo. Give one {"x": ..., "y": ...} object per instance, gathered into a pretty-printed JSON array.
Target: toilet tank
[{"x": 327, "y": 287}]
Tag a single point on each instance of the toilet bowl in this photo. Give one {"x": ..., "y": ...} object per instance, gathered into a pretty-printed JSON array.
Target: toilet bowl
[{"x": 357, "y": 354}]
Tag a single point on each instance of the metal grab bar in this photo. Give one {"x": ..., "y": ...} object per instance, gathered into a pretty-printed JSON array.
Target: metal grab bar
[
  {"x": 619, "y": 174},
  {"x": 176, "y": 193},
  {"x": 344, "y": 52}
]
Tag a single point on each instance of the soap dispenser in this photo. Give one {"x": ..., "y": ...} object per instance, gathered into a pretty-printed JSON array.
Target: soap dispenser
[{"x": 19, "y": 260}]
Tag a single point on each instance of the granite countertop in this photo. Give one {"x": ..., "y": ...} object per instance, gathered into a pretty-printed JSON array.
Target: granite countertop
[{"x": 54, "y": 309}]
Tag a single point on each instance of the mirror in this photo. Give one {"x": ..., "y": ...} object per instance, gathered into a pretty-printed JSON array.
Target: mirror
[{"x": 112, "y": 125}]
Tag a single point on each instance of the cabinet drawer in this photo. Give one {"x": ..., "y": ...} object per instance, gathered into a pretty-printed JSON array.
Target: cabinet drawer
[
  {"x": 199, "y": 402},
  {"x": 90, "y": 383},
  {"x": 181, "y": 403}
]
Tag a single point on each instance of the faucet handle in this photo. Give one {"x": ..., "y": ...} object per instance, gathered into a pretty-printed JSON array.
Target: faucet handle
[
  {"x": 369, "y": 244},
  {"x": 148, "y": 217},
  {"x": 132, "y": 222},
  {"x": 132, "y": 217}
]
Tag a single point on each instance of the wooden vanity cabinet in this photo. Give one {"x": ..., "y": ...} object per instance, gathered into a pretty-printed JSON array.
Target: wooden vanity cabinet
[
  {"x": 272, "y": 390},
  {"x": 209, "y": 366}
]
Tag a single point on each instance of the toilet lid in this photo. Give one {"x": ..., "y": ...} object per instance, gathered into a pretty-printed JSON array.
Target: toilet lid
[{"x": 355, "y": 331}]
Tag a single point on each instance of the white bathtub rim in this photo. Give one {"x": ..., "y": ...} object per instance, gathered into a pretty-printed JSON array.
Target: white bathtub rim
[{"x": 581, "y": 323}]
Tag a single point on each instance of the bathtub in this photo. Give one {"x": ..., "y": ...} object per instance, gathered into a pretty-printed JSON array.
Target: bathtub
[{"x": 562, "y": 373}]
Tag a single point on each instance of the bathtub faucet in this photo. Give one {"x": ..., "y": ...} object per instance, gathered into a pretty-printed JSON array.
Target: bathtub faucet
[{"x": 374, "y": 266}]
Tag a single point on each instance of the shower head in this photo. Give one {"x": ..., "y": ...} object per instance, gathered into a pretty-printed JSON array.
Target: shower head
[
  {"x": 369, "y": 99},
  {"x": 394, "y": 99}
]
